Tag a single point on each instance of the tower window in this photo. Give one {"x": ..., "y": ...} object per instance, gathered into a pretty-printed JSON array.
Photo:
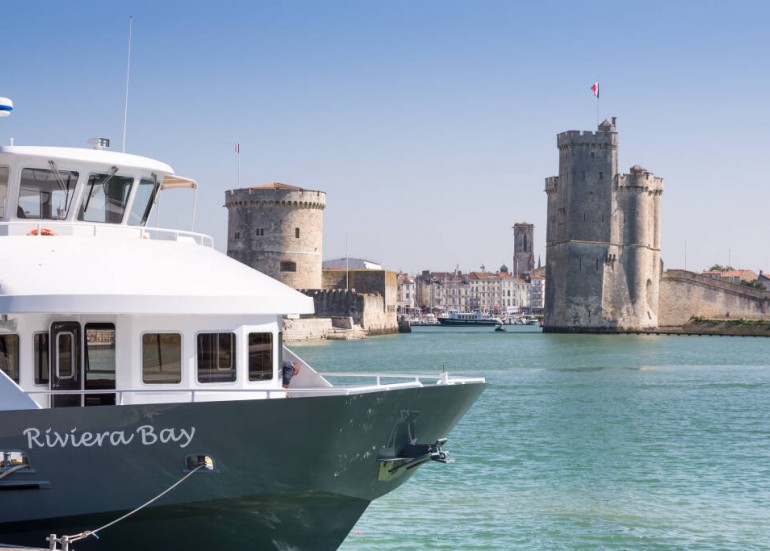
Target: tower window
[
  {"x": 601, "y": 175},
  {"x": 237, "y": 235},
  {"x": 296, "y": 233},
  {"x": 260, "y": 232},
  {"x": 287, "y": 266}
]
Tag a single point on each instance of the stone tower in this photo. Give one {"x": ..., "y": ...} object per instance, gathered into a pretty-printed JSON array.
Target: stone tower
[
  {"x": 603, "y": 238},
  {"x": 278, "y": 230},
  {"x": 523, "y": 257}
]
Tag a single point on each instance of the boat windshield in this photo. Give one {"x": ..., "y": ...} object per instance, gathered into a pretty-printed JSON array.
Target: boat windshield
[
  {"x": 46, "y": 194},
  {"x": 3, "y": 190},
  {"x": 140, "y": 210},
  {"x": 106, "y": 198}
]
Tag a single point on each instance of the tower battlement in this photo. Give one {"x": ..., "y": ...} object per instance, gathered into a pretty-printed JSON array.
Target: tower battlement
[
  {"x": 551, "y": 184},
  {"x": 640, "y": 179}
]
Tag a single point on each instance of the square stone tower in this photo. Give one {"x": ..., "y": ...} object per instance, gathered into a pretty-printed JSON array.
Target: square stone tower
[
  {"x": 603, "y": 238},
  {"x": 523, "y": 256}
]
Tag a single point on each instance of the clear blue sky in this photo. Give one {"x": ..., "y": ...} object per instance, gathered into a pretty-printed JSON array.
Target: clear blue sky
[{"x": 431, "y": 125}]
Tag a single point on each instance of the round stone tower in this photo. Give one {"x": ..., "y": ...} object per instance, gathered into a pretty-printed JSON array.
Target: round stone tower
[{"x": 278, "y": 230}]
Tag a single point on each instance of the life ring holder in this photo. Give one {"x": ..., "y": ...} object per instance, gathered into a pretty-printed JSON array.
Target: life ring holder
[{"x": 43, "y": 231}]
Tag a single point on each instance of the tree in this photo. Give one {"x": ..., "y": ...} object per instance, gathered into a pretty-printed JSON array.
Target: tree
[{"x": 720, "y": 268}]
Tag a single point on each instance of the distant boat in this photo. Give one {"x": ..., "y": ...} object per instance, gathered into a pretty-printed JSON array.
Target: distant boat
[{"x": 468, "y": 319}]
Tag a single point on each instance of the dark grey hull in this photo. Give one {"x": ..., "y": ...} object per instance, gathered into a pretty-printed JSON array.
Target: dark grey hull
[{"x": 289, "y": 474}]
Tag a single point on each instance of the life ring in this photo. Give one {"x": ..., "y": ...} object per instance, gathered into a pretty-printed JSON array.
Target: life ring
[{"x": 43, "y": 231}]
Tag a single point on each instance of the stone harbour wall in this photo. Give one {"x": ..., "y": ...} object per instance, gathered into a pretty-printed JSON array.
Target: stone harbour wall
[
  {"x": 685, "y": 295},
  {"x": 365, "y": 309}
]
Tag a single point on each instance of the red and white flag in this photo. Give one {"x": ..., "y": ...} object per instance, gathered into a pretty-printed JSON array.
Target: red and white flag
[
  {"x": 595, "y": 88},
  {"x": 237, "y": 148}
]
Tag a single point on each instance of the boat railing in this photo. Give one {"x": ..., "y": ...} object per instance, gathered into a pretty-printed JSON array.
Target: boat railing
[
  {"x": 206, "y": 394},
  {"x": 46, "y": 228}
]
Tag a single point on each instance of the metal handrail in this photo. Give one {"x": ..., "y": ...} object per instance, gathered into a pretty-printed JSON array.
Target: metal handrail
[
  {"x": 279, "y": 392},
  {"x": 140, "y": 231}
]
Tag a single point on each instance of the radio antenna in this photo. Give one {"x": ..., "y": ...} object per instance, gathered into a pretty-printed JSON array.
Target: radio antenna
[{"x": 128, "y": 75}]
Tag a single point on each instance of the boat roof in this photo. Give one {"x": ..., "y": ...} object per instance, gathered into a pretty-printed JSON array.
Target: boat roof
[
  {"x": 132, "y": 275},
  {"x": 84, "y": 155}
]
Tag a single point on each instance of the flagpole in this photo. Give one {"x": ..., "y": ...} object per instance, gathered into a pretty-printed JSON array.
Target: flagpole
[{"x": 598, "y": 100}]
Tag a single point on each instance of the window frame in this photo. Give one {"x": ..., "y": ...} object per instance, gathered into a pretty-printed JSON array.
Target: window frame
[
  {"x": 180, "y": 334},
  {"x": 217, "y": 369},
  {"x": 271, "y": 355},
  {"x": 13, "y": 358}
]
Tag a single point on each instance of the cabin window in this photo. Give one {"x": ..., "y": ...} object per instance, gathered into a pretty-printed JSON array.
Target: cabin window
[
  {"x": 216, "y": 357},
  {"x": 9, "y": 356},
  {"x": 161, "y": 358},
  {"x": 65, "y": 360},
  {"x": 100, "y": 363},
  {"x": 260, "y": 356},
  {"x": 3, "y": 190},
  {"x": 46, "y": 194},
  {"x": 287, "y": 266},
  {"x": 41, "y": 358},
  {"x": 142, "y": 205},
  {"x": 105, "y": 198}
]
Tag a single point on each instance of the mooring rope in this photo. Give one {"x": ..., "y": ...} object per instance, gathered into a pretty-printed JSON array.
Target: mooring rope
[{"x": 83, "y": 535}]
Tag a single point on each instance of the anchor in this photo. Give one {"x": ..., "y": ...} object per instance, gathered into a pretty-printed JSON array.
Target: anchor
[{"x": 411, "y": 456}]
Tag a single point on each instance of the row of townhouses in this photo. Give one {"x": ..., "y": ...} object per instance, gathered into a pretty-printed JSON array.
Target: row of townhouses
[{"x": 498, "y": 293}]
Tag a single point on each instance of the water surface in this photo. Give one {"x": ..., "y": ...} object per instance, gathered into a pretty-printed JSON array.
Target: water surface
[{"x": 581, "y": 442}]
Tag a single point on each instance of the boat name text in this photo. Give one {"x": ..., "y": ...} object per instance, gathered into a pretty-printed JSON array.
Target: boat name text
[{"x": 146, "y": 434}]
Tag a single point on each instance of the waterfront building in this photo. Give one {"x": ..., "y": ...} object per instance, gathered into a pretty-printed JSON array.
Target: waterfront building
[
  {"x": 405, "y": 294},
  {"x": 732, "y": 276},
  {"x": 536, "y": 294}
]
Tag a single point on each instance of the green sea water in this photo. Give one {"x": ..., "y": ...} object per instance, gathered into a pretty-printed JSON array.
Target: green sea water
[{"x": 581, "y": 442}]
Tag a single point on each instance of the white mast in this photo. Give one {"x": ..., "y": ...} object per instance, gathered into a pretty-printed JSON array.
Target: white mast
[{"x": 128, "y": 74}]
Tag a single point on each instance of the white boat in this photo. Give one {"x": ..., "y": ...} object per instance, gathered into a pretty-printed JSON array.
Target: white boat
[
  {"x": 137, "y": 360},
  {"x": 469, "y": 319}
]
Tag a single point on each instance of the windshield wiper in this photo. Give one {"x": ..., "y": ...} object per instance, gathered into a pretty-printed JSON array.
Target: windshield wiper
[{"x": 103, "y": 184}]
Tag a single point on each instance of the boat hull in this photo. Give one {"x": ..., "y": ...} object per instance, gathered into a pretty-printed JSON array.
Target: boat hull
[
  {"x": 288, "y": 474},
  {"x": 451, "y": 322}
]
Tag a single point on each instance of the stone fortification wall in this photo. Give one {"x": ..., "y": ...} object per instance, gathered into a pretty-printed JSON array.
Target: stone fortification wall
[
  {"x": 306, "y": 329},
  {"x": 366, "y": 309},
  {"x": 380, "y": 282},
  {"x": 278, "y": 230},
  {"x": 685, "y": 295}
]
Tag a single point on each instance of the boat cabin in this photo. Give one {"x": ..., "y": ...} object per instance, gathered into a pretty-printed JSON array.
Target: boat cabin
[{"x": 97, "y": 308}]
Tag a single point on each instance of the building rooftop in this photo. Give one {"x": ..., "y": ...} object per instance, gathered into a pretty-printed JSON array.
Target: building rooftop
[{"x": 278, "y": 185}]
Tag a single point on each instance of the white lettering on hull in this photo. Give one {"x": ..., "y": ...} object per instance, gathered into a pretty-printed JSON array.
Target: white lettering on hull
[{"x": 146, "y": 434}]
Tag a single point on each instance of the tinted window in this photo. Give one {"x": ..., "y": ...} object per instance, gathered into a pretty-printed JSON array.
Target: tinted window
[
  {"x": 41, "y": 358},
  {"x": 142, "y": 205},
  {"x": 3, "y": 190},
  {"x": 105, "y": 198},
  {"x": 9, "y": 356},
  {"x": 46, "y": 194},
  {"x": 161, "y": 358},
  {"x": 100, "y": 363},
  {"x": 260, "y": 356},
  {"x": 216, "y": 357}
]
